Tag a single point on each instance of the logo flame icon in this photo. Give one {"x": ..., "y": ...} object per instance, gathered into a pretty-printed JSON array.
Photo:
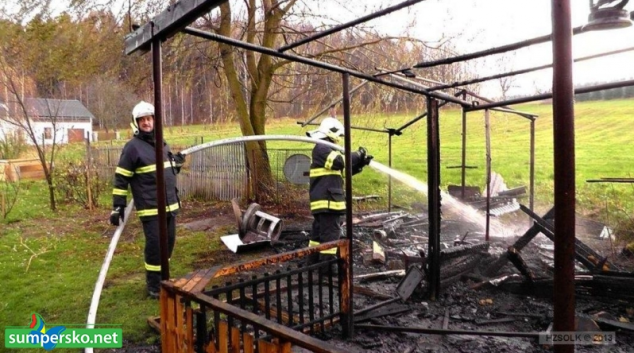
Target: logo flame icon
[{"x": 38, "y": 327}]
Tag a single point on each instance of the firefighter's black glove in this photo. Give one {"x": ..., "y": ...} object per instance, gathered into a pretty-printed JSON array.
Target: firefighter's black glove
[
  {"x": 116, "y": 215},
  {"x": 365, "y": 157},
  {"x": 179, "y": 159}
]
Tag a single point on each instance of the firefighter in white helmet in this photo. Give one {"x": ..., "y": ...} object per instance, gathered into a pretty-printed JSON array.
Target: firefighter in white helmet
[
  {"x": 327, "y": 198},
  {"x": 137, "y": 169}
]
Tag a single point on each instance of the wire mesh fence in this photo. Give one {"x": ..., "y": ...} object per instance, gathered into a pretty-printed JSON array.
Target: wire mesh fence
[{"x": 220, "y": 172}]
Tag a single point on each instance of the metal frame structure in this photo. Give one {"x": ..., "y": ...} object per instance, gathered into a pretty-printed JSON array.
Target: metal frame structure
[
  {"x": 179, "y": 15},
  {"x": 460, "y": 92}
]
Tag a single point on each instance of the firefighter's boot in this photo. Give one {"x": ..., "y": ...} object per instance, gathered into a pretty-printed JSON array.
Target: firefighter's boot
[{"x": 153, "y": 283}]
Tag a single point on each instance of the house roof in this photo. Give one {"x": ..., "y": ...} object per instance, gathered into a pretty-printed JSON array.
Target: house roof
[{"x": 58, "y": 108}]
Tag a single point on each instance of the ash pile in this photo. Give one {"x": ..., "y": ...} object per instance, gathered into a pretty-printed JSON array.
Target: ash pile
[
  {"x": 495, "y": 296},
  {"x": 391, "y": 242}
]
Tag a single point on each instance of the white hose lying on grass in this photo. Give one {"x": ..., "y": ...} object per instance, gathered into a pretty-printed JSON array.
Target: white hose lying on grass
[{"x": 94, "y": 304}]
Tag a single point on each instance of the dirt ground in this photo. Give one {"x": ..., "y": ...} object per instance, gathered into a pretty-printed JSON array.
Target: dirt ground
[{"x": 488, "y": 308}]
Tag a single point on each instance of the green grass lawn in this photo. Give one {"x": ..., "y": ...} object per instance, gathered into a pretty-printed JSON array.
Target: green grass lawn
[
  {"x": 49, "y": 261},
  {"x": 603, "y": 149}
]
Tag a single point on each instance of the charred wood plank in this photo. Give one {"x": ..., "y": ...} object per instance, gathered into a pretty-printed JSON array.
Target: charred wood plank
[
  {"x": 516, "y": 259},
  {"x": 380, "y": 275},
  {"x": 584, "y": 253},
  {"x": 437, "y": 331},
  {"x": 464, "y": 266},
  {"x": 494, "y": 321},
  {"x": 583, "y": 287},
  {"x": 608, "y": 324},
  {"x": 445, "y": 320},
  {"x": 463, "y": 250},
  {"x": 377, "y": 305},
  {"x": 390, "y": 309},
  {"x": 521, "y": 190},
  {"x": 370, "y": 293},
  {"x": 616, "y": 284},
  {"x": 532, "y": 316},
  {"x": 580, "y": 254},
  {"x": 531, "y": 233}
]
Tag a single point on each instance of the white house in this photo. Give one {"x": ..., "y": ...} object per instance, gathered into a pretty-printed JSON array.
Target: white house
[{"x": 65, "y": 120}]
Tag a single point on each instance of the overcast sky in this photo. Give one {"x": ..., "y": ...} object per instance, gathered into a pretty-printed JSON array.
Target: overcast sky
[{"x": 481, "y": 24}]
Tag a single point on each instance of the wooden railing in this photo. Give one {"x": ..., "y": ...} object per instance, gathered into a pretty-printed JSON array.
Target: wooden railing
[{"x": 268, "y": 313}]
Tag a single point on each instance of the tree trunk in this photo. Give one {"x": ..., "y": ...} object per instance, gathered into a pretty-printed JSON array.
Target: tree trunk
[
  {"x": 252, "y": 113},
  {"x": 51, "y": 191}
]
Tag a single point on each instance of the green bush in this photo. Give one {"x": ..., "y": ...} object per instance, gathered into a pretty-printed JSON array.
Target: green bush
[
  {"x": 74, "y": 178},
  {"x": 12, "y": 146}
]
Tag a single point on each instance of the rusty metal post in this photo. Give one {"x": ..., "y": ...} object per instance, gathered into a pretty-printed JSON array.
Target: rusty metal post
[
  {"x": 347, "y": 319},
  {"x": 157, "y": 74},
  {"x": 487, "y": 133},
  {"x": 531, "y": 200},
  {"x": 433, "y": 197},
  {"x": 389, "y": 178},
  {"x": 463, "y": 166},
  {"x": 564, "y": 168}
]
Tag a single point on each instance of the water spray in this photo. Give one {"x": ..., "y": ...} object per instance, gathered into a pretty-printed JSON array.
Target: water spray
[{"x": 461, "y": 208}]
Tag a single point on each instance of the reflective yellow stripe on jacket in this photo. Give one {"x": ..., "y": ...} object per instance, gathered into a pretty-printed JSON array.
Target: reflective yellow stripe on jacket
[
  {"x": 124, "y": 172},
  {"x": 152, "y": 167},
  {"x": 154, "y": 211},
  {"x": 331, "y": 159},
  {"x": 333, "y": 205},
  {"x": 317, "y": 172}
]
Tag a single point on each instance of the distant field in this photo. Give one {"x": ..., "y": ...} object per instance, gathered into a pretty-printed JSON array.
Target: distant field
[{"x": 603, "y": 149}]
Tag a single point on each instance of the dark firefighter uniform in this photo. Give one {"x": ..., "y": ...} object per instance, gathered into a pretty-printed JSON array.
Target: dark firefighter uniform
[
  {"x": 137, "y": 168},
  {"x": 327, "y": 198}
]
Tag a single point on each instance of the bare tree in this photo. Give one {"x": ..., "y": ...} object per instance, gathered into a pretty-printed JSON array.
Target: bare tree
[
  {"x": 253, "y": 79},
  {"x": 23, "y": 116},
  {"x": 111, "y": 101},
  {"x": 505, "y": 64}
]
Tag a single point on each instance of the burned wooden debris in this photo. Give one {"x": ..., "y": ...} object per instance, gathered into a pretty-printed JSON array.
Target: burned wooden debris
[
  {"x": 502, "y": 200},
  {"x": 589, "y": 258}
]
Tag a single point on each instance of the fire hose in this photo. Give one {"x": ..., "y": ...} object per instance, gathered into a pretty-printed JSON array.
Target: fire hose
[{"x": 94, "y": 304}]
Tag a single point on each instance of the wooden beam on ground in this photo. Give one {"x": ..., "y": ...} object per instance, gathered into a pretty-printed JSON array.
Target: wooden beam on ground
[
  {"x": 516, "y": 259},
  {"x": 379, "y": 275},
  {"x": 378, "y": 254},
  {"x": 583, "y": 252}
]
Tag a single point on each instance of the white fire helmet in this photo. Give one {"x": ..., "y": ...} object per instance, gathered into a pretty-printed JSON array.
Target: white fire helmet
[
  {"x": 329, "y": 127},
  {"x": 140, "y": 110}
]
